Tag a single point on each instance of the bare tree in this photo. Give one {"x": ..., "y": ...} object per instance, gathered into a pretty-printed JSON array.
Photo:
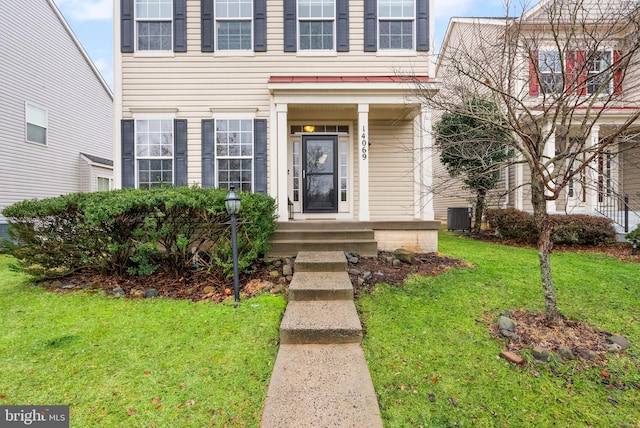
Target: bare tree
[{"x": 564, "y": 73}]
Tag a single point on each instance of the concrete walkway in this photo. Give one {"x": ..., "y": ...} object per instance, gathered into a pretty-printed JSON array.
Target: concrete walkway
[{"x": 320, "y": 378}]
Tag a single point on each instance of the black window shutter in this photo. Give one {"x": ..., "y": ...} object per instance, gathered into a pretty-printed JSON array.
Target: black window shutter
[
  {"x": 180, "y": 152},
  {"x": 208, "y": 153},
  {"x": 370, "y": 25},
  {"x": 290, "y": 26},
  {"x": 260, "y": 155},
  {"x": 127, "y": 35},
  {"x": 128, "y": 139},
  {"x": 179, "y": 25},
  {"x": 342, "y": 25},
  {"x": 260, "y": 25},
  {"x": 207, "y": 21},
  {"x": 422, "y": 25}
]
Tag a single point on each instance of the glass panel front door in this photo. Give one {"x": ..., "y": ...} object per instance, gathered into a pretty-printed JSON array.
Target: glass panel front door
[{"x": 320, "y": 174}]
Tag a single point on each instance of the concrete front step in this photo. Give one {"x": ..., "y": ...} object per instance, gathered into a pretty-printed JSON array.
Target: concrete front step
[
  {"x": 320, "y": 261},
  {"x": 367, "y": 248},
  {"x": 320, "y": 322},
  {"x": 316, "y": 386},
  {"x": 326, "y": 235},
  {"x": 320, "y": 286}
]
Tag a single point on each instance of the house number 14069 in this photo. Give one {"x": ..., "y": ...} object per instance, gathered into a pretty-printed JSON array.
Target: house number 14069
[{"x": 364, "y": 143}]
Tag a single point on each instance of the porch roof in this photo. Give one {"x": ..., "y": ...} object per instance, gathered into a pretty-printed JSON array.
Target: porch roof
[{"x": 351, "y": 79}]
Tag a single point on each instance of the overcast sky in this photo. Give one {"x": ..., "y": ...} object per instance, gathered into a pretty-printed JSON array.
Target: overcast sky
[{"x": 91, "y": 21}]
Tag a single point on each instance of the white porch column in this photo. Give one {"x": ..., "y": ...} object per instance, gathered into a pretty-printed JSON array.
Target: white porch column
[
  {"x": 423, "y": 166},
  {"x": 550, "y": 152},
  {"x": 591, "y": 171},
  {"x": 363, "y": 161},
  {"x": 519, "y": 181},
  {"x": 280, "y": 174}
]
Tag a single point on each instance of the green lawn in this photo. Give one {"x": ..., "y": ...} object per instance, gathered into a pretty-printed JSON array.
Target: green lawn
[
  {"x": 434, "y": 362},
  {"x": 141, "y": 362}
]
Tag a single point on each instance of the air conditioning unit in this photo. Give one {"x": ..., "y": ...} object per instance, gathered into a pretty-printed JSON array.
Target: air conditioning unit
[{"x": 459, "y": 218}]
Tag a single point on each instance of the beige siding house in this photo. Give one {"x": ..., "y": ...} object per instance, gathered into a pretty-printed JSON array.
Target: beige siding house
[
  {"x": 54, "y": 107},
  {"x": 307, "y": 101},
  {"x": 600, "y": 189}
]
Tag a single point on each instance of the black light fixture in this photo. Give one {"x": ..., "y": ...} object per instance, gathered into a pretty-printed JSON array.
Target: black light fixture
[{"x": 232, "y": 203}]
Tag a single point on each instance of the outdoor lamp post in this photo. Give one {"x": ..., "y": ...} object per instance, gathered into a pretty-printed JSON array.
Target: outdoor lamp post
[{"x": 232, "y": 203}]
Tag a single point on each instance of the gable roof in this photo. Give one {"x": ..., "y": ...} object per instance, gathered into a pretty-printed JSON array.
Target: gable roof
[{"x": 80, "y": 48}]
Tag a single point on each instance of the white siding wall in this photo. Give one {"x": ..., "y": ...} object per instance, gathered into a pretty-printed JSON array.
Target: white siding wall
[
  {"x": 391, "y": 170},
  {"x": 41, "y": 64}
]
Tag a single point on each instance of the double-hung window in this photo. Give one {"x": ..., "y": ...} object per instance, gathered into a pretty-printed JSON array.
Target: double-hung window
[
  {"x": 599, "y": 79},
  {"x": 37, "y": 122},
  {"x": 233, "y": 24},
  {"x": 234, "y": 153},
  {"x": 550, "y": 66},
  {"x": 154, "y": 21},
  {"x": 396, "y": 24},
  {"x": 316, "y": 24},
  {"x": 154, "y": 152}
]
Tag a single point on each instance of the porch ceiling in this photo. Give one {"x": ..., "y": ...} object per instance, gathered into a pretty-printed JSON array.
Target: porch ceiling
[{"x": 350, "y": 111}]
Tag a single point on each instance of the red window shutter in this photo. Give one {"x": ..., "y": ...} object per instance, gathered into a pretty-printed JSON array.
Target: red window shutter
[
  {"x": 534, "y": 84},
  {"x": 581, "y": 67},
  {"x": 617, "y": 72},
  {"x": 571, "y": 71}
]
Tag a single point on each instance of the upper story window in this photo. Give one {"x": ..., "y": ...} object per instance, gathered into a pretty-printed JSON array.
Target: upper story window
[
  {"x": 396, "y": 20},
  {"x": 234, "y": 142},
  {"x": 36, "y": 124},
  {"x": 233, "y": 24},
  {"x": 154, "y": 152},
  {"x": 316, "y": 23},
  {"x": 154, "y": 25},
  {"x": 550, "y": 66},
  {"x": 599, "y": 69}
]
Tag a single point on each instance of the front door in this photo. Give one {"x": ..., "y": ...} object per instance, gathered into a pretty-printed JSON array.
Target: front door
[{"x": 320, "y": 174}]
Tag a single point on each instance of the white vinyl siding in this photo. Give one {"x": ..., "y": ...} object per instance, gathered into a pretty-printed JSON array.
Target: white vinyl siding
[{"x": 42, "y": 65}]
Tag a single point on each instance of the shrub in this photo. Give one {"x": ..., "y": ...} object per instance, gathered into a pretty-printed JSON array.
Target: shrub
[
  {"x": 137, "y": 231},
  {"x": 511, "y": 223},
  {"x": 570, "y": 229}
]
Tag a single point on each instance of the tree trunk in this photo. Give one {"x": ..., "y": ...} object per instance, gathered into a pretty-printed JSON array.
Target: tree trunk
[
  {"x": 480, "y": 201},
  {"x": 544, "y": 226}
]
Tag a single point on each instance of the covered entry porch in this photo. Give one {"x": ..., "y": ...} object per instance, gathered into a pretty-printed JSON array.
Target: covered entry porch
[{"x": 349, "y": 149}]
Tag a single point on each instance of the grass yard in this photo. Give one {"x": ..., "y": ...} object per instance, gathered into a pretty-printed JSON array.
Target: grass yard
[
  {"x": 136, "y": 362},
  {"x": 434, "y": 362}
]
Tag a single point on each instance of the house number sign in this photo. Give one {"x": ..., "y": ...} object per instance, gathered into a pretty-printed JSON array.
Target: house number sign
[{"x": 364, "y": 144}]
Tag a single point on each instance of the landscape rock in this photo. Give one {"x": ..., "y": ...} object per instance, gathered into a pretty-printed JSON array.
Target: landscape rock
[
  {"x": 137, "y": 293},
  {"x": 396, "y": 263},
  {"x": 274, "y": 274},
  {"x": 404, "y": 256},
  {"x": 507, "y": 327},
  {"x": 287, "y": 270},
  {"x": 612, "y": 347},
  {"x": 209, "y": 289},
  {"x": 541, "y": 353},
  {"x": 566, "y": 354},
  {"x": 512, "y": 357},
  {"x": 353, "y": 271},
  {"x": 619, "y": 340},
  {"x": 278, "y": 289},
  {"x": 151, "y": 293},
  {"x": 118, "y": 292},
  {"x": 367, "y": 276},
  {"x": 67, "y": 286},
  {"x": 588, "y": 354}
]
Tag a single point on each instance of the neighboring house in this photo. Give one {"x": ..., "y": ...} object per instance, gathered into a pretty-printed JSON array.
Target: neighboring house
[
  {"x": 599, "y": 190},
  {"x": 307, "y": 101},
  {"x": 56, "y": 110}
]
